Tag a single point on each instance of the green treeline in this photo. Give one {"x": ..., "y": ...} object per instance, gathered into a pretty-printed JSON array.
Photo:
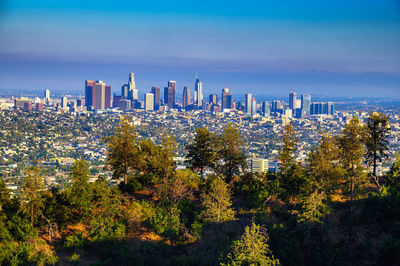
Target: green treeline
[{"x": 334, "y": 209}]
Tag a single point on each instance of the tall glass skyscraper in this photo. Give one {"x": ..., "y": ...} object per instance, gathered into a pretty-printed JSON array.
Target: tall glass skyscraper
[
  {"x": 292, "y": 101},
  {"x": 248, "y": 101},
  {"x": 306, "y": 104},
  {"x": 198, "y": 89}
]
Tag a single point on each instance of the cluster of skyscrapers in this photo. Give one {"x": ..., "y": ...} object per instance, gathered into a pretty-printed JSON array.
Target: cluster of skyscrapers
[{"x": 98, "y": 97}]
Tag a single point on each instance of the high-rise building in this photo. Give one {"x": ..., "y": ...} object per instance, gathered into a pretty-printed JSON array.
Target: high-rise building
[
  {"x": 170, "y": 94},
  {"x": 248, "y": 102},
  {"x": 265, "y": 109},
  {"x": 156, "y": 92},
  {"x": 47, "y": 96},
  {"x": 100, "y": 95},
  {"x": 227, "y": 101},
  {"x": 186, "y": 97},
  {"x": 125, "y": 104},
  {"x": 277, "y": 105},
  {"x": 133, "y": 93},
  {"x": 198, "y": 92},
  {"x": 39, "y": 106},
  {"x": 97, "y": 95},
  {"x": 259, "y": 165},
  {"x": 124, "y": 91},
  {"x": 20, "y": 103},
  {"x": 149, "y": 102},
  {"x": 213, "y": 99},
  {"x": 28, "y": 106},
  {"x": 305, "y": 104},
  {"x": 172, "y": 83},
  {"x": 253, "y": 106},
  {"x": 292, "y": 101},
  {"x": 107, "y": 97},
  {"x": 117, "y": 99},
  {"x": 90, "y": 93},
  {"x": 322, "y": 108},
  {"x": 64, "y": 102}
]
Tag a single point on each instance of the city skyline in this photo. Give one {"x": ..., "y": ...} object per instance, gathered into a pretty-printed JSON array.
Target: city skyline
[{"x": 345, "y": 48}]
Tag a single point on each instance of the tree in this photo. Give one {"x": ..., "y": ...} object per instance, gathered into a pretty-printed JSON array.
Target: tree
[
  {"x": 323, "y": 165},
  {"x": 392, "y": 178},
  {"x": 106, "y": 213},
  {"x": 351, "y": 154},
  {"x": 123, "y": 149},
  {"x": 231, "y": 153},
  {"x": 376, "y": 141},
  {"x": 80, "y": 191},
  {"x": 313, "y": 208},
  {"x": 252, "y": 248},
  {"x": 166, "y": 164},
  {"x": 32, "y": 193},
  {"x": 289, "y": 145},
  {"x": 172, "y": 191},
  {"x": 217, "y": 203},
  {"x": 201, "y": 152}
]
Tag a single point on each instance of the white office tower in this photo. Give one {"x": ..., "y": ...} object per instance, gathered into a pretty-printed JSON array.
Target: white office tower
[
  {"x": 47, "y": 96},
  {"x": 253, "y": 106},
  {"x": 259, "y": 165},
  {"x": 64, "y": 102},
  {"x": 198, "y": 92},
  {"x": 248, "y": 101},
  {"x": 149, "y": 102},
  {"x": 133, "y": 92}
]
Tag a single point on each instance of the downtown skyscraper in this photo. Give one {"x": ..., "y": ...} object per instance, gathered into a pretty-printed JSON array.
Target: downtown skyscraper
[
  {"x": 248, "y": 102},
  {"x": 198, "y": 92},
  {"x": 97, "y": 95},
  {"x": 170, "y": 94},
  {"x": 157, "y": 100},
  {"x": 226, "y": 98},
  {"x": 133, "y": 93},
  {"x": 305, "y": 105},
  {"x": 186, "y": 97},
  {"x": 292, "y": 101}
]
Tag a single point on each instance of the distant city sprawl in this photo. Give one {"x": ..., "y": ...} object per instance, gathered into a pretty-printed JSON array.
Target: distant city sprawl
[{"x": 54, "y": 132}]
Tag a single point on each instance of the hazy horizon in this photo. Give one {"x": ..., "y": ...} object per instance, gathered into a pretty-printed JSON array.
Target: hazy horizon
[{"x": 345, "y": 48}]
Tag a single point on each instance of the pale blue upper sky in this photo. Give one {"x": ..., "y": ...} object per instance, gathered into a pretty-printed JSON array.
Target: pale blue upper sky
[{"x": 265, "y": 47}]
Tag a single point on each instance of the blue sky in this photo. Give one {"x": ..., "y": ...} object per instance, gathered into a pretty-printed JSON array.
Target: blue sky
[{"x": 266, "y": 47}]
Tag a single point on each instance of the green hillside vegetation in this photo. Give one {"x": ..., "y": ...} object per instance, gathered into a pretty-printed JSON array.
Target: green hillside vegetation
[{"x": 332, "y": 210}]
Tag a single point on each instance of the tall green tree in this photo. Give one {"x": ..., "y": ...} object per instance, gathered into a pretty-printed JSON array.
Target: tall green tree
[
  {"x": 252, "y": 248},
  {"x": 202, "y": 151},
  {"x": 286, "y": 155},
  {"x": 31, "y": 196},
  {"x": 172, "y": 191},
  {"x": 166, "y": 163},
  {"x": 376, "y": 141},
  {"x": 217, "y": 203},
  {"x": 123, "y": 149},
  {"x": 351, "y": 154},
  {"x": 323, "y": 165},
  {"x": 80, "y": 191},
  {"x": 232, "y": 157}
]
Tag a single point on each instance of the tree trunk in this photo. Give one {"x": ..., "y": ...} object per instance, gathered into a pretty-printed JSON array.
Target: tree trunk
[
  {"x": 375, "y": 177},
  {"x": 350, "y": 248}
]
